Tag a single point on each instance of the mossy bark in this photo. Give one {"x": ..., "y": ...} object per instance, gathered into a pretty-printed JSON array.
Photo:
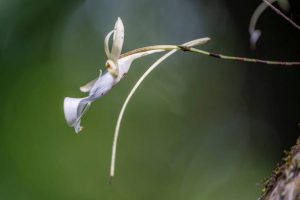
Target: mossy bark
[{"x": 284, "y": 184}]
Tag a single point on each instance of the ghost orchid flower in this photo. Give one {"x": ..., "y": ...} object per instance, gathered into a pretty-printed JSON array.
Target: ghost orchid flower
[{"x": 117, "y": 66}]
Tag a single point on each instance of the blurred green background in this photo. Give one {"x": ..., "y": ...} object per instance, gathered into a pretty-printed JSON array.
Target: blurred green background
[{"x": 198, "y": 128}]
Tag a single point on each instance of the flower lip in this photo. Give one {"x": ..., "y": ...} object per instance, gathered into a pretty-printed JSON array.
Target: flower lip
[
  {"x": 74, "y": 109},
  {"x": 70, "y": 109}
]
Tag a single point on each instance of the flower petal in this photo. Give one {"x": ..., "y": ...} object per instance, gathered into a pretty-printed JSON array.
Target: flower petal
[
  {"x": 87, "y": 87},
  {"x": 254, "y": 36},
  {"x": 102, "y": 86},
  {"x": 74, "y": 109},
  {"x": 118, "y": 40},
  {"x": 106, "y": 44}
]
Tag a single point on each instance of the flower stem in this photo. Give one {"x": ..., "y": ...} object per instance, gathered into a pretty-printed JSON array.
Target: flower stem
[
  {"x": 243, "y": 59},
  {"x": 207, "y": 53}
]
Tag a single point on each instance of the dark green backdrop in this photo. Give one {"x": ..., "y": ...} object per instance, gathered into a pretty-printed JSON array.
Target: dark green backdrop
[{"x": 198, "y": 128}]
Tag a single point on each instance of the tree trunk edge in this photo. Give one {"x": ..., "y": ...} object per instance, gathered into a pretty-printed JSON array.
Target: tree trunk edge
[{"x": 284, "y": 183}]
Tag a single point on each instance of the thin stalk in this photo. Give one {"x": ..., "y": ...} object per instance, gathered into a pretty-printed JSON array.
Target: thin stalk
[
  {"x": 207, "y": 53},
  {"x": 172, "y": 49},
  {"x": 235, "y": 58}
]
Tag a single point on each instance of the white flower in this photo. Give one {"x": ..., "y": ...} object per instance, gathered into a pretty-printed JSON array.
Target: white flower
[{"x": 117, "y": 67}]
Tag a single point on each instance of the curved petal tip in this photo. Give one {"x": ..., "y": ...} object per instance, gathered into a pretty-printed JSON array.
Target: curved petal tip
[
  {"x": 73, "y": 110},
  {"x": 254, "y": 38}
]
